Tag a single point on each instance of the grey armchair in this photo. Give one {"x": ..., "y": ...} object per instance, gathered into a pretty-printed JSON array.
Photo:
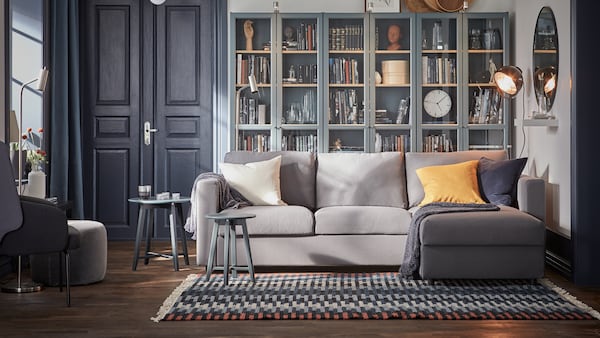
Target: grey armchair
[{"x": 31, "y": 225}]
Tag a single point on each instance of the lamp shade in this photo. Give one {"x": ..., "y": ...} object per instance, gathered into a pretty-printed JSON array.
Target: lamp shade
[
  {"x": 158, "y": 2},
  {"x": 42, "y": 79},
  {"x": 252, "y": 82},
  {"x": 508, "y": 80}
]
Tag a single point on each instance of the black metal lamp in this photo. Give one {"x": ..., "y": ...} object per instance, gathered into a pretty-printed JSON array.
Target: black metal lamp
[{"x": 508, "y": 80}]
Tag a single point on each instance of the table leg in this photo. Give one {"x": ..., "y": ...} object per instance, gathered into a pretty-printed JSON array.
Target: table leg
[
  {"x": 248, "y": 252},
  {"x": 183, "y": 235},
  {"x": 173, "y": 237},
  {"x": 213, "y": 250},
  {"x": 138, "y": 237},
  {"x": 226, "y": 254},
  {"x": 149, "y": 231},
  {"x": 233, "y": 250}
]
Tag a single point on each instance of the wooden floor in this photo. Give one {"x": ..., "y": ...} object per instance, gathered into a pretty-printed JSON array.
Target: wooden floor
[{"x": 121, "y": 306}]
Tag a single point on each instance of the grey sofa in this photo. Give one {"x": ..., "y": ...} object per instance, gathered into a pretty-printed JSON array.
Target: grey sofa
[{"x": 355, "y": 209}]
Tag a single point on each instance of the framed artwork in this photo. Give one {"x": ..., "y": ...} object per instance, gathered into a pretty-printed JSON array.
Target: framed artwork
[{"x": 382, "y": 6}]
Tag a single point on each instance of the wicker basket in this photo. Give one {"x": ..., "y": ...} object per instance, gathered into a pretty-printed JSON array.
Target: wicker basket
[{"x": 443, "y": 5}]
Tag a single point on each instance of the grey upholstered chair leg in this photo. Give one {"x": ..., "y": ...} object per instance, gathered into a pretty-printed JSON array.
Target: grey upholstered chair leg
[{"x": 68, "y": 276}]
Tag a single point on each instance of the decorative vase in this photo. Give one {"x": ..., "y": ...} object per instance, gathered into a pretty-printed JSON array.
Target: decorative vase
[{"x": 36, "y": 186}]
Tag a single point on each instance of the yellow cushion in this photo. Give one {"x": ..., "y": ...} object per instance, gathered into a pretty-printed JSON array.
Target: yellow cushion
[
  {"x": 257, "y": 181},
  {"x": 456, "y": 183}
]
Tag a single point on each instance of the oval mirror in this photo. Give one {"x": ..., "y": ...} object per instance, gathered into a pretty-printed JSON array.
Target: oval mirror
[{"x": 545, "y": 62}]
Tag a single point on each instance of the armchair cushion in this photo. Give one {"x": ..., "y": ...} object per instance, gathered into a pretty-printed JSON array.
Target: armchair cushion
[{"x": 498, "y": 179}]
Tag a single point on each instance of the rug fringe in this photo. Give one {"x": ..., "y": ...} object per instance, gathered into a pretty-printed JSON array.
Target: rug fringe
[
  {"x": 566, "y": 295},
  {"x": 170, "y": 301}
]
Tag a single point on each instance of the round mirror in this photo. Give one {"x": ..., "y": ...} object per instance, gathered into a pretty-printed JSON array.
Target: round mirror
[{"x": 545, "y": 62}]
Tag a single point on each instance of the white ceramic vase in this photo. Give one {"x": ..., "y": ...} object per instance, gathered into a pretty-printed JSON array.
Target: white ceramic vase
[{"x": 36, "y": 187}]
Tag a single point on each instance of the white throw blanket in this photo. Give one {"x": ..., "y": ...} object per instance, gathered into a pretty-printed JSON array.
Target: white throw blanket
[{"x": 228, "y": 198}]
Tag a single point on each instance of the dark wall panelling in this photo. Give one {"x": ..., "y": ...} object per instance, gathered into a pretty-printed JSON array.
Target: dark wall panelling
[
  {"x": 183, "y": 56},
  {"x": 112, "y": 127},
  {"x": 111, "y": 186},
  {"x": 113, "y": 54}
]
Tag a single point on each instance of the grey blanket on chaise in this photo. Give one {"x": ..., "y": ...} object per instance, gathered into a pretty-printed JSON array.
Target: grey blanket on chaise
[
  {"x": 228, "y": 198},
  {"x": 412, "y": 251}
]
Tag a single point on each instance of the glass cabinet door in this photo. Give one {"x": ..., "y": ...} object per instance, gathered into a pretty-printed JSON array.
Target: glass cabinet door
[
  {"x": 438, "y": 96},
  {"x": 391, "y": 76},
  {"x": 299, "y": 77},
  {"x": 485, "y": 53},
  {"x": 252, "y": 56},
  {"x": 345, "y": 121}
]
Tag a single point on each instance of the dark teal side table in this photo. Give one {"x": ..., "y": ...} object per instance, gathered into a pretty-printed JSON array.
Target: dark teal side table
[
  {"x": 146, "y": 221},
  {"x": 229, "y": 221}
]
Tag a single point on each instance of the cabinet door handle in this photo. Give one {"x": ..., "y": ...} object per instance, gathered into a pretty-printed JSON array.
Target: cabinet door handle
[{"x": 147, "y": 131}]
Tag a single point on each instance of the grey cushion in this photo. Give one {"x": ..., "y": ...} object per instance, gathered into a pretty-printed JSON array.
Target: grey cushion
[
  {"x": 416, "y": 160},
  {"x": 508, "y": 226},
  {"x": 297, "y": 174},
  {"x": 498, "y": 180},
  {"x": 292, "y": 220},
  {"x": 368, "y": 179},
  {"x": 353, "y": 220}
]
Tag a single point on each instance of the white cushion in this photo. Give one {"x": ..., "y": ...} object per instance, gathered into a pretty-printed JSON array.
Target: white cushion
[{"x": 257, "y": 181}]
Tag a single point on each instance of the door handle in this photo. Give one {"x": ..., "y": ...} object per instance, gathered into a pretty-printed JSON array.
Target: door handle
[{"x": 147, "y": 131}]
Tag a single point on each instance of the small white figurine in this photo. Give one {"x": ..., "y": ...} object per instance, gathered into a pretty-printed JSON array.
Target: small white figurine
[{"x": 492, "y": 69}]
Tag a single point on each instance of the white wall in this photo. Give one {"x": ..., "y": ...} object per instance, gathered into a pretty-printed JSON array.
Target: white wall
[{"x": 548, "y": 149}]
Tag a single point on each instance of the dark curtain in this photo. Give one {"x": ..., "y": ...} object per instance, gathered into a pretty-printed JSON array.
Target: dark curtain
[{"x": 66, "y": 177}]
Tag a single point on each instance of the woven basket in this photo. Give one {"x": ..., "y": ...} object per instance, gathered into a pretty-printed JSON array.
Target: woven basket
[
  {"x": 417, "y": 6},
  {"x": 444, "y": 5}
]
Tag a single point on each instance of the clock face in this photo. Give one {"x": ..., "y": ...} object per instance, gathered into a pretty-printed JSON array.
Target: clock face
[{"x": 437, "y": 103}]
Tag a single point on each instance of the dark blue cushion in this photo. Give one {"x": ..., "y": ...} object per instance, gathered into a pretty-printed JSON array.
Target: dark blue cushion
[{"x": 498, "y": 180}]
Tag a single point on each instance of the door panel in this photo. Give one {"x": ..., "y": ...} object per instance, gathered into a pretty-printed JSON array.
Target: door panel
[
  {"x": 183, "y": 143},
  {"x": 112, "y": 115},
  {"x": 146, "y": 63}
]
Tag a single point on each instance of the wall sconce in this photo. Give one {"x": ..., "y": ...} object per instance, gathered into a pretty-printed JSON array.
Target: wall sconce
[{"x": 253, "y": 89}]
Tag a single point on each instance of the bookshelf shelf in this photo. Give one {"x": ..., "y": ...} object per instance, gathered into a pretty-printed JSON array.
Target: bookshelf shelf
[{"x": 536, "y": 122}]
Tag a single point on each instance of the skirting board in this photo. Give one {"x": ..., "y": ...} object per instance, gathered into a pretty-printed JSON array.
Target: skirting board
[{"x": 559, "y": 253}]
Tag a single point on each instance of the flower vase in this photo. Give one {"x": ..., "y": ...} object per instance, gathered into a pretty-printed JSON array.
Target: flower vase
[{"x": 36, "y": 186}]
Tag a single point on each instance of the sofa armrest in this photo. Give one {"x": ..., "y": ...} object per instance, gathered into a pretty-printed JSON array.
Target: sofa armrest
[
  {"x": 531, "y": 196},
  {"x": 205, "y": 201}
]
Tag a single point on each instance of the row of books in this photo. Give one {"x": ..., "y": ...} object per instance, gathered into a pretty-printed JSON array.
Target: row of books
[
  {"x": 300, "y": 143},
  {"x": 485, "y": 107},
  {"x": 343, "y": 71},
  {"x": 344, "y": 107},
  {"x": 253, "y": 64},
  {"x": 255, "y": 142},
  {"x": 439, "y": 69},
  {"x": 251, "y": 111},
  {"x": 306, "y": 34},
  {"x": 437, "y": 143},
  {"x": 348, "y": 37},
  {"x": 399, "y": 143}
]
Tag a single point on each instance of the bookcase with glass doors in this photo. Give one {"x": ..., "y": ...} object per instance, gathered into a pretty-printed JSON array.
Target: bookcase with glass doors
[{"x": 335, "y": 82}]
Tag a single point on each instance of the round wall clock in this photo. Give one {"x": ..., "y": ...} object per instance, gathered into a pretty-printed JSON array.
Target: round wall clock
[{"x": 437, "y": 103}]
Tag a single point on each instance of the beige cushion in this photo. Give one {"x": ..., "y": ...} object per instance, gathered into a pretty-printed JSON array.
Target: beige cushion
[
  {"x": 361, "y": 220},
  {"x": 291, "y": 220},
  {"x": 257, "y": 181}
]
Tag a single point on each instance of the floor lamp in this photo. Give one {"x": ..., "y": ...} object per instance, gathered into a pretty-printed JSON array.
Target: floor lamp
[
  {"x": 20, "y": 287},
  {"x": 253, "y": 88}
]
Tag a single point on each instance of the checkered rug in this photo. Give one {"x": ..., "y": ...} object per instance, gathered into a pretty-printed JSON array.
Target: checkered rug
[{"x": 367, "y": 296}]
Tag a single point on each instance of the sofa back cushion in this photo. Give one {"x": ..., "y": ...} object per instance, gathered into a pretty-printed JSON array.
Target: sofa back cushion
[
  {"x": 369, "y": 179},
  {"x": 415, "y": 161},
  {"x": 297, "y": 173}
]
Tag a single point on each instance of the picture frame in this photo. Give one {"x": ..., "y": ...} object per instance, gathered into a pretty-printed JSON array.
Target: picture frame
[{"x": 382, "y": 6}]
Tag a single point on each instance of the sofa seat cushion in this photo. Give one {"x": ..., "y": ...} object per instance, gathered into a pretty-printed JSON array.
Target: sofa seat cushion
[
  {"x": 361, "y": 220},
  {"x": 369, "y": 179},
  {"x": 292, "y": 220},
  {"x": 508, "y": 226}
]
